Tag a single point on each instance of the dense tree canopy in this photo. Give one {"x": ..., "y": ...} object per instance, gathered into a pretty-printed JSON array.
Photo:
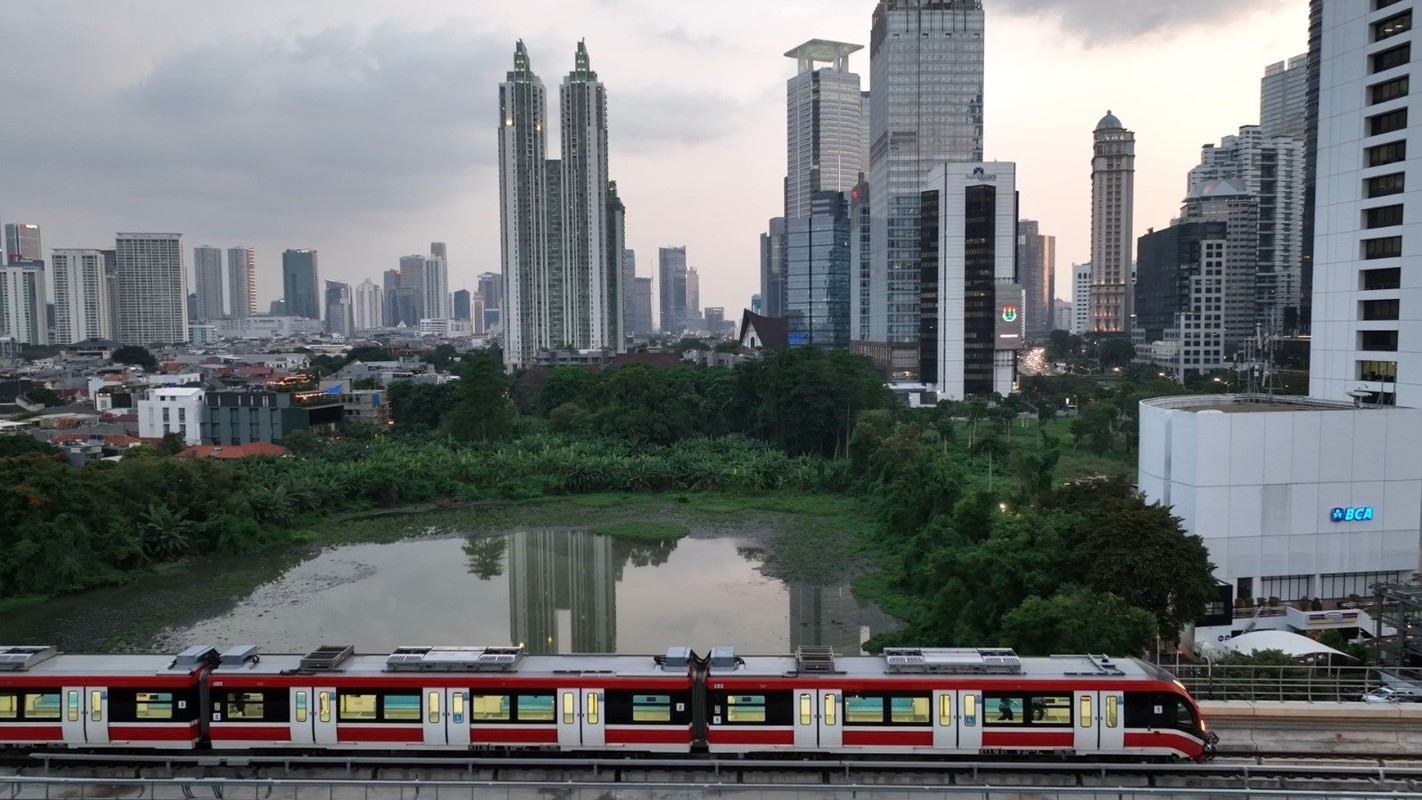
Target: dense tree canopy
[{"x": 135, "y": 355}]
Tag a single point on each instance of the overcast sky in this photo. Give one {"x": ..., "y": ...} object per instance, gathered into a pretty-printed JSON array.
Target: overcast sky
[{"x": 366, "y": 129}]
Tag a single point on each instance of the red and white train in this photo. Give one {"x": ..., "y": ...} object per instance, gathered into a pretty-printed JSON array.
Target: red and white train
[{"x": 921, "y": 701}]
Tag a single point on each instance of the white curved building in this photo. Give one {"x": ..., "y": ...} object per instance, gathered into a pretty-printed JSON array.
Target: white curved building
[{"x": 1294, "y": 497}]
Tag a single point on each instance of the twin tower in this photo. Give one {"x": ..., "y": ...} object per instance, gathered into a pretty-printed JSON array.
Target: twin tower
[{"x": 562, "y": 228}]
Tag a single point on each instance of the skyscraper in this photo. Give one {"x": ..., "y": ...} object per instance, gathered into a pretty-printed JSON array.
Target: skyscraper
[
  {"x": 434, "y": 288},
  {"x": 23, "y": 301},
  {"x": 926, "y": 81},
  {"x": 242, "y": 281},
  {"x": 1037, "y": 267},
  {"x": 816, "y": 277},
  {"x": 440, "y": 249},
  {"x": 1081, "y": 298},
  {"x": 81, "y": 298},
  {"x": 207, "y": 282},
  {"x": 461, "y": 310},
  {"x": 591, "y": 302},
  {"x": 693, "y": 299},
  {"x": 523, "y": 211},
  {"x": 1367, "y": 270},
  {"x": 340, "y": 309},
  {"x": 671, "y": 283},
  {"x": 300, "y": 280},
  {"x": 824, "y": 124},
  {"x": 772, "y": 268},
  {"x": 412, "y": 277},
  {"x": 1113, "y": 178},
  {"x": 152, "y": 289},
  {"x": 369, "y": 306},
  {"x": 1283, "y": 95},
  {"x": 22, "y": 242},
  {"x": 639, "y": 307},
  {"x": 491, "y": 286}
]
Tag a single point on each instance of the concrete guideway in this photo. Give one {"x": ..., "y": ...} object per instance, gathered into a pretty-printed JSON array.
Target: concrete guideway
[{"x": 1379, "y": 730}]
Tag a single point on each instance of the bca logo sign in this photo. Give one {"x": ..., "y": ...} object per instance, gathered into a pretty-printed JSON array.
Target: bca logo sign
[{"x": 1009, "y": 313}]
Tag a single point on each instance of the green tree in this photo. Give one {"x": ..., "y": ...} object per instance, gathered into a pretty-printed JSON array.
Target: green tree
[
  {"x": 137, "y": 356},
  {"x": 483, "y": 411},
  {"x": 44, "y": 395},
  {"x": 302, "y": 442},
  {"x": 1078, "y": 620},
  {"x": 172, "y": 444},
  {"x": 11, "y": 446},
  {"x": 994, "y": 447},
  {"x": 443, "y": 356},
  {"x": 421, "y": 406},
  {"x": 1115, "y": 352},
  {"x": 358, "y": 431}
]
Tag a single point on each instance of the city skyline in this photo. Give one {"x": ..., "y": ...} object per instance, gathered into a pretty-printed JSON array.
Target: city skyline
[{"x": 718, "y": 130}]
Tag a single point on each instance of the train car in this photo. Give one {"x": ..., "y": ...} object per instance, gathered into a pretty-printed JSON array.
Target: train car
[
  {"x": 128, "y": 701},
  {"x": 451, "y": 698},
  {"x": 949, "y": 701}
]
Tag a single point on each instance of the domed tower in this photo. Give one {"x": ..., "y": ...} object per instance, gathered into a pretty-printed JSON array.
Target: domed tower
[{"x": 1113, "y": 175}]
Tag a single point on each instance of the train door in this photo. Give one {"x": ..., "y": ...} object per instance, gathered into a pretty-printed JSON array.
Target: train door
[
  {"x": 1088, "y": 722},
  {"x": 945, "y": 733},
  {"x": 1112, "y": 713},
  {"x": 580, "y": 718},
  {"x": 324, "y": 714},
  {"x": 970, "y": 721},
  {"x": 818, "y": 718},
  {"x": 446, "y": 720},
  {"x": 303, "y": 718},
  {"x": 85, "y": 717}
]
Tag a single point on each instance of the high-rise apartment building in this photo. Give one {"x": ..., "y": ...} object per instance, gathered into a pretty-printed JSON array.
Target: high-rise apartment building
[
  {"x": 523, "y": 211},
  {"x": 1283, "y": 99},
  {"x": 671, "y": 286},
  {"x": 592, "y": 307},
  {"x": 972, "y": 302},
  {"x": 1081, "y": 298},
  {"x": 1367, "y": 268},
  {"x": 693, "y": 299},
  {"x": 242, "y": 281},
  {"x": 434, "y": 288},
  {"x": 207, "y": 283},
  {"x": 301, "y": 281},
  {"x": 152, "y": 289},
  {"x": 24, "y": 304},
  {"x": 82, "y": 307},
  {"x": 926, "y": 82},
  {"x": 772, "y": 268},
  {"x": 1037, "y": 266},
  {"x": 369, "y": 306},
  {"x": 1113, "y": 178},
  {"x": 22, "y": 242},
  {"x": 825, "y": 122},
  {"x": 639, "y": 308}
]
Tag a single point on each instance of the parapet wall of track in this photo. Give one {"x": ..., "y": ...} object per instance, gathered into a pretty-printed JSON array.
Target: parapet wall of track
[{"x": 1362, "y": 729}]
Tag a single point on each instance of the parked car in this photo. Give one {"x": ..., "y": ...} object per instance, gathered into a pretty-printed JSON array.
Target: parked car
[{"x": 1394, "y": 694}]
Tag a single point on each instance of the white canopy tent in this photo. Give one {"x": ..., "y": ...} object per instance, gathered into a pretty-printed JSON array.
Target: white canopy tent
[{"x": 1294, "y": 644}]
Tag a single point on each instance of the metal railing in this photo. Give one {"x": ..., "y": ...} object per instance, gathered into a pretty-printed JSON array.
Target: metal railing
[{"x": 1308, "y": 683}]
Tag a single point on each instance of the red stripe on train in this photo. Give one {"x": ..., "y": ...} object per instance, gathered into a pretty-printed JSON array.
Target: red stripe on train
[
  {"x": 250, "y": 733},
  {"x": 901, "y": 738},
  {"x": 379, "y": 733},
  {"x": 717, "y": 736},
  {"x": 1036, "y": 739},
  {"x": 636, "y": 736},
  {"x": 520, "y": 735},
  {"x": 31, "y": 733},
  {"x": 146, "y": 733}
]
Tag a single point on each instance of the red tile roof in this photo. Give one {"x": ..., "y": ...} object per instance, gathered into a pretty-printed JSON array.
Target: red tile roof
[{"x": 226, "y": 451}]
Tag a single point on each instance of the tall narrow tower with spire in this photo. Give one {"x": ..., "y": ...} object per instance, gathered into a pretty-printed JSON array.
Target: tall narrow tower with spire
[
  {"x": 523, "y": 146},
  {"x": 1113, "y": 180},
  {"x": 592, "y": 306}
]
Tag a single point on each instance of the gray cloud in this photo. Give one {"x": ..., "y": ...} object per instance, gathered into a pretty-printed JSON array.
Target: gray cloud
[{"x": 1101, "y": 22}]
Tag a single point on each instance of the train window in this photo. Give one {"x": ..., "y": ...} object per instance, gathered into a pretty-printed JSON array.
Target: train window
[
  {"x": 970, "y": 710},
  {"x": 1085, "y": 711},
  {"x": 863, "y": 710},
  {"x": 9, "y": 706},
  {"x": 434, "y": 707},
  {"x": 746, "y": 708},
  {"x": 72, "y": 706},
  {"x": 96, "y": 706},
  {"x": 569, "y": 708},
  {"x": 323, "y": 706},
  {"x": 1002, "y": 710},
  {"x": 909, "y": 710},
  {"x": 456, "y": 705},
  {"x": 1112, "y": 711},
  {"x": 46, "y": 706},
  {"x": 805, "y": 709},
  {"x": 945, "y": 710},
  {"x": 246, "y": 705},
  {"x": 830, "y": 706},
  {"x": 356, "y": 707},
  {"x": 301, "y": 706},
  {"x": 154, "y": 705},
  {"x": 402, "y": 707},
  {"x": 535, "y": 708},
  {"x": 489, "y": 708},
  {"x": 1051, "y": 709},
  {"x": 592, "y": 708},
  {"x": 651, "y": 708}
]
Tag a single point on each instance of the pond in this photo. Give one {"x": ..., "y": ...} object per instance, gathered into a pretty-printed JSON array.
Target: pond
[{"x": 553, "y": 590}]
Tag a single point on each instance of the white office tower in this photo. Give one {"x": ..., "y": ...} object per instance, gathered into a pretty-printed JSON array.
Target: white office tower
[
  {"x": 242, "y": 281},
  {"x": 523, "y": 146},
  {"x": 1081, "y": 298},
  {"x": 152, "y": 289},
  {"x": 926, "y": 81},
  {"x": 24, "y": 303},
  {"x": 825, "y": 124},
  {"x": 1113, "y": 179},
  {"x": 434, "y": 288},
  {"x": 369, "y": 306},
  {"x": 1367, "y": 272},
  {"x": 974, "y": 303},
  {"x": 592, "y": 289},
  {"x": 81, "y": 297},
  {"x": 207, "y": 282}
]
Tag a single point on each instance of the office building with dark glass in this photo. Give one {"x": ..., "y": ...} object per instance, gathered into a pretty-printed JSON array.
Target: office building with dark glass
[{"x": 817, "y": 273}]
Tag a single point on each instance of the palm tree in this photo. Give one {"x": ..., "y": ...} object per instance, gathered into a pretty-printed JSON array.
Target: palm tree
[{"x": 994, "y": 447}]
